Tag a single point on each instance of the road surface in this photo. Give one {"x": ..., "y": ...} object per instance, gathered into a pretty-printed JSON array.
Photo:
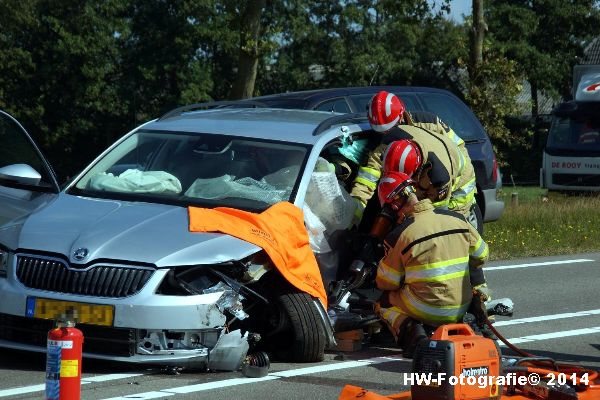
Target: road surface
[{"x": 557, "y": 314}]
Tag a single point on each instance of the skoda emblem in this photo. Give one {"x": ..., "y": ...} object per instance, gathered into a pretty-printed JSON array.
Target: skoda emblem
[{"x": 80, "y": 254}]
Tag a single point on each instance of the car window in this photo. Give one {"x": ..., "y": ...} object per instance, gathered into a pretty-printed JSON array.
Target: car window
[
  {"x": 362, "y": 100},
  {"x": 336, "y": 105},
  {"x": 453, "y": 113},
  {"x": 199, "y": 169},
  {"x": 16, "y": 148}
]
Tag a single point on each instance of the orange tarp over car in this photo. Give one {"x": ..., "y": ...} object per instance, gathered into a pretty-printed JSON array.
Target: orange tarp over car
[{"x": 279, "y": 230}]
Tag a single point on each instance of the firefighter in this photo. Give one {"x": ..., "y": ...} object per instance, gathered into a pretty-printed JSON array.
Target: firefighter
[
  {"x": 424, "y": 275},
  {"x": 447, "y": 164}
]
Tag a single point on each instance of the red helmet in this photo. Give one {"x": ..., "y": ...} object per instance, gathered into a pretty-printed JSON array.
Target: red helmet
[
  {"x": 394, "y": 189},
  {"x": 385, "y": 110},
  {"x": 403, "y": 156}
]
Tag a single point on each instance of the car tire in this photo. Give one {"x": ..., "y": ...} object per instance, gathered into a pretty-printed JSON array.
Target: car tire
[
  {"x": 476, "y": 218},
  {"x": 304, "y": 341},
  {"x": 291, "y": 328}
]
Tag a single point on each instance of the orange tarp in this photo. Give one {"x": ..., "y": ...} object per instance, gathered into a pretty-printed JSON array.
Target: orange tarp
[{"x": 279, "y": 230}]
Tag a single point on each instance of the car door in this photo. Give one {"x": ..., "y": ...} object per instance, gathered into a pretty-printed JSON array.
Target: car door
[{"x": 26, "y": 180}]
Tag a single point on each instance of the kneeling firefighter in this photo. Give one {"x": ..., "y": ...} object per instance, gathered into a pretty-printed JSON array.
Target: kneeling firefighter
[{"x": 424, "y": 275}]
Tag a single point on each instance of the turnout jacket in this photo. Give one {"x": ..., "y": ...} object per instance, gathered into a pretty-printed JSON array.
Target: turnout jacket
[
  {"x": 427, "y": 261},
  {"x": 440, "y": 145}
]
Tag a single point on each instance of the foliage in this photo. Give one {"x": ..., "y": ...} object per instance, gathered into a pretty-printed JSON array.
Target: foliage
[
  {"x": 59, "y": 72},
  {"x": 354, "y": 43},
  {"x": 545, "y": 38},
  {"x": 494, "y": 99},
  {"x": 167, "y": 54},
  {"x": 80, "y": 73}
]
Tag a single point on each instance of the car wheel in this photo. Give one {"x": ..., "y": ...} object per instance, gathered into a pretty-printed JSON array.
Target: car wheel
[
  {"x": 476, "y": 219},
  {"x": 295, "y": 330}
]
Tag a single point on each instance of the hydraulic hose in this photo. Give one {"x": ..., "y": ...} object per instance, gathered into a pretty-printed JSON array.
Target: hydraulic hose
[{"x": 538, "y": 363}]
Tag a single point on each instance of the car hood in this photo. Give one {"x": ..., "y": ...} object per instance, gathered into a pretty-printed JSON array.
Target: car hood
[{"x": 121, "y": 231}]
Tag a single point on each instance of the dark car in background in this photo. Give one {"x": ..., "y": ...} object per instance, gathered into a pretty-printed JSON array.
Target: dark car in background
[{"x": 441, "y": 102}]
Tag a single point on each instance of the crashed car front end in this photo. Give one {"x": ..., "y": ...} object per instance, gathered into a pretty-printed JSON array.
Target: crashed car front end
[{"x": 134, "y": 313}]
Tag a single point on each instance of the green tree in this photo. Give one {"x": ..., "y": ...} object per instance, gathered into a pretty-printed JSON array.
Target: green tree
[
  {"x": 168, "y": 54},
  {"x": 356, "y": 42},
  {"x": 59, "y": 74},
  {"x": 545, "y": 38}
]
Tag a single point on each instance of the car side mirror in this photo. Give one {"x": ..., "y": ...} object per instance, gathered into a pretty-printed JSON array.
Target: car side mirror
[{"x": 20, "y": 173}]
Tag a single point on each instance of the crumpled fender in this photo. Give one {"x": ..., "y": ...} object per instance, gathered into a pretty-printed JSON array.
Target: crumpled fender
[{"x": 279, "y": 230}]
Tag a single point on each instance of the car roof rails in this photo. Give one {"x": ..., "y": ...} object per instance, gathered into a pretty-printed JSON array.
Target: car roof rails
[
  {"x": 339, "y": 119},
  {"x": 213, "y": 104}
]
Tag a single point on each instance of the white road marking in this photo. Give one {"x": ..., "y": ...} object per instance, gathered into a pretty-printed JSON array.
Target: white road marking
[
  {"x": 310, "y": 370},
  {"x": 334, "y": 367},
  {"x": 22, "y": 390},
  {"x": 147, "y": 395},
  {"x": 543, "y": 318},
  {"x": 272, "y": 376},
  {"x": 555, "y": 335},
  {"x": 109, "y": 377},
  {"x": 84, "y": 381},
  {"x": 331, "y": 367},
  {"x": 581, "y": 260}
]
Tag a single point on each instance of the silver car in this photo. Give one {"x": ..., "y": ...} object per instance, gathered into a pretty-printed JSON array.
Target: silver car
[{"x": 112, "y": 249}]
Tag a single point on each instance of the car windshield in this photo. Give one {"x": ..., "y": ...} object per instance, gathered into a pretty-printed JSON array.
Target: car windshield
[
  {"x": 578, "y": 131},
  {"x": 207, "y": 170}
]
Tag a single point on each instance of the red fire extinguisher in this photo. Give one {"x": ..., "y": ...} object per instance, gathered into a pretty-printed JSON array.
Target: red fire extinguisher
[{"x": 63, "y": 362}]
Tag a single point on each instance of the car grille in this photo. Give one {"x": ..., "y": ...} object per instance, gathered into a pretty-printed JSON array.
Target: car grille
[
  {"x": 587, "y": 180},
  {"x": 99, "y": 280},
  {"x": 98, "y": 339}
]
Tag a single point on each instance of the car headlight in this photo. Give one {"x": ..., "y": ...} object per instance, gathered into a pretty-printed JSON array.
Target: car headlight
[{"x": 3, "y": 263}]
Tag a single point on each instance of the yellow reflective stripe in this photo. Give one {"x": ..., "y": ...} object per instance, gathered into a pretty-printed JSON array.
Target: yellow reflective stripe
[
  {"x": 461, "y": 161},
  {"x": 369, "y": 174},
  {"x": 391, "y": 315},
  {"x": 360, "y": 203},
  {"x": 439, "y": 271},
  {"x": 390, "y": 274},
  {"x": 438, "y": 278},
  {"x": 442, "y": 203},
  {"x": 438, "y": 264},
  {"x": 480, "y": 250},
  {"x": 366, "y": 182},
  {"x": 438, "y": 274},
  {"x": 465, "y": 189},
  {"x": 375, "y": 172},
  {"x": 427, "y": 312},
  {"x": 463, "y": 202},
  {"x": 455, "y": 138}
]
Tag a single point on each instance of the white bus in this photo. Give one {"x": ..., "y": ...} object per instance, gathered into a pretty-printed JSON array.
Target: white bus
[{"x": 571, "y": 160}]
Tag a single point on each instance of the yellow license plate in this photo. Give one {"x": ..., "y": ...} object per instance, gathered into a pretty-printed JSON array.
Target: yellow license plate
[{"x": 82, "y": 313}]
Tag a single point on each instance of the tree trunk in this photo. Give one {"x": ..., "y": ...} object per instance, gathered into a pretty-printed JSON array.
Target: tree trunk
[
  {"x": 534, "y": 99},
  {"x": 243, "y": 86},
  {"x": 477, "y": 34}
]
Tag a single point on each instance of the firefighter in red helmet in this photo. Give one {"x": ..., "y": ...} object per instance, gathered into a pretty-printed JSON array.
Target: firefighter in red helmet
[
  {"x": 447, "y": 173},
  {"x": 424, "y": 275}
]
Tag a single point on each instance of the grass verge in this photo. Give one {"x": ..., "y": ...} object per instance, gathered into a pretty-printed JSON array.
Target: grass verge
[{"x": 544, "y": 224}]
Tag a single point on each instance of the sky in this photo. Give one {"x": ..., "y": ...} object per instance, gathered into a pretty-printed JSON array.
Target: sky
[{"x": 458, "y": 8}]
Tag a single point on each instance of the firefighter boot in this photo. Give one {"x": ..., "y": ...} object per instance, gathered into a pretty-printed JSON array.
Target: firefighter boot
[{"x": 413, "y": 333}]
